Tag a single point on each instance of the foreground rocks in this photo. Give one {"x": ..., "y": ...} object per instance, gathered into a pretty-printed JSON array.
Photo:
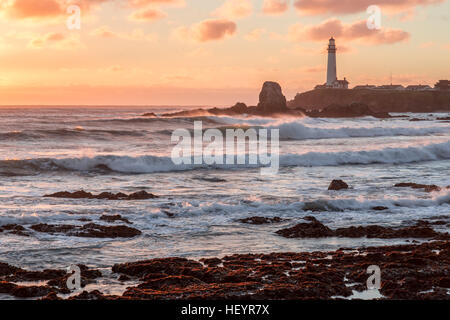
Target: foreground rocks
[
  {"x": 141, "y": 195},
  {"x": 407, "y": 272},
  {"x": 42, "y": 283},
  {"x": 284, "y": 276},
  {"x": 316, "y": 229},
  {"x": 90, "y": 230}
]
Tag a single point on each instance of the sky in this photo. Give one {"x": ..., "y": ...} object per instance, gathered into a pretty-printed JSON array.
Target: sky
[{"x": 210, "y": 52}]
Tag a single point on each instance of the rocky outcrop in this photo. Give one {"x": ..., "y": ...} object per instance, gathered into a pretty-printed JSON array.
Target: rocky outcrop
[
  {"x": 337, "y": 185},
  {"x": 260, "y": 220},
  {"x": 114, "y": 218},
  {"x": 141, "y": 195},
  {"x": 425, "y": 187},
  {"x": 271, "y": 98},
  {"x": 13, "y": 229},
  {"x": 353, "y": 110},
  {"x": 296, "y": 276},
  {"x": 56, "y": 281},
  {"x": 90, "y": 230},
  {"x": 316, "y": 229},
  {"x": 377, "y": 100},
  {"x": 414, "y": 271}
]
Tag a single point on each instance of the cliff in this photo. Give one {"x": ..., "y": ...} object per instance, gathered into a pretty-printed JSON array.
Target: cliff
[{"x": 377, "y": 100}]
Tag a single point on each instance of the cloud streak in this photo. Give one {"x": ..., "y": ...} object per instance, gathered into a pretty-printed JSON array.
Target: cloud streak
[
  {"x": 209, "y": 30},
  {"x": 356, "y": 31},
  {"x": 319, "y": 7}
]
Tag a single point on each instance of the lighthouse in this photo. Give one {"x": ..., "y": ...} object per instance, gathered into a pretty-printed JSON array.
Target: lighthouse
[
  {"x": 331, "y": 70},
  {"x": 332, "y": 80}
]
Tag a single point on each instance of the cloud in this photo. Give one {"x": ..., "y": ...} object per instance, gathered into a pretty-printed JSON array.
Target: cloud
[
  {"x": 234, "y": 9},
  {"x": 23, "y": 9},
  {"x": 104, "y": 32},
  {"x": 317, "y": 7},
  {"x": 275, "y": 7},
  {"x": 147, "y": 15},
  {"x": 147, "y": 3},
  {"x": 315, "y": 69},
  {"x": 425, "y": 45},
  {"x": 134, "y": 35},
  {"x": 55, "y": 40},
  {"x": 54, "y": 9},
  {"x": 208, "y": 30},
  {"x": 348, "y": 32},
  {"x": 255, "y": 34}
]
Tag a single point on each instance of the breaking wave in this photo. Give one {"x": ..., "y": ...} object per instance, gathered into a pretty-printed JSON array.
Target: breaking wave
[
  {"x": 150, "y": 164},
  {"x": 298, "y": 131}
]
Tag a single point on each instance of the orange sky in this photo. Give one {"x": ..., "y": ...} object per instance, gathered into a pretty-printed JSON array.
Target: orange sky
[{"x": 213, "y": 52}]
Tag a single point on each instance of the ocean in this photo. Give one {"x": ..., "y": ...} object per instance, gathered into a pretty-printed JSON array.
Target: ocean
[{"x": 116, "y": 149}]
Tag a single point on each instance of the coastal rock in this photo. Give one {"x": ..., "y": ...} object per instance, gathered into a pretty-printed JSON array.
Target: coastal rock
[
  {"x": 14, "y": 229},
  {"x": 150, "y": 115},
  {"x": 260, "y": 220},
  {"x": 316, "y": 229},
  {"x": 380, "y": 208},
  {"x": 337, "y": 185},
  {"x": 24, "y": 291},
  {"x": 425, "y": 187},
  {"x": 271, "y": 98},
  {"x": 92, "y": 295},
  {"x": 379, "y": 100},
  {"x": 90, "y": 230},
  {"x": 239, "y": 108},
  {"x": 412, "y": 272},
  {"x": 141, "y": 195},
  {"x": 352, "y": 110},
  {"x": 114, "y": 218},
  {"x": 170, "y": 266}
]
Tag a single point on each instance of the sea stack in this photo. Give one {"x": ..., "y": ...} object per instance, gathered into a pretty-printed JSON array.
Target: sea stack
[{"x": 271, "y": 98}]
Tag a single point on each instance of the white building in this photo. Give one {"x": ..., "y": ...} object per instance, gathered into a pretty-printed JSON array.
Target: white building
[{"x": 332, "y": 80}]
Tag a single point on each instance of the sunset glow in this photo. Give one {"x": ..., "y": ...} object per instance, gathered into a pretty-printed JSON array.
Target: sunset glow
[{"x": 215, "y": 52}]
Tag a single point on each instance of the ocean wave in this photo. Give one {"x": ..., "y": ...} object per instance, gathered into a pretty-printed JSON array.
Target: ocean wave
[
  {"x": 151, "y": 164},
  {"x": 78, "y": 132},
  {"x": 298, "y": 131}
]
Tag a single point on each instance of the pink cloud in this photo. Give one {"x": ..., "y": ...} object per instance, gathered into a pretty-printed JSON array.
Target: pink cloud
[
  {"x": 234, "y": 9},
  {"x": 348, "y": 32},
  {"x": 275, "y": 7},
  {"x": 20, "y": 9},
  {"x": 148, "y": 14},
  {"x": 314, "y": 7},
  {"x": 146, "y": 3},
  {"x": 54, "y": 40},
  {"x": 209, "y": 30},
  {"x": 43, "y": 9}
]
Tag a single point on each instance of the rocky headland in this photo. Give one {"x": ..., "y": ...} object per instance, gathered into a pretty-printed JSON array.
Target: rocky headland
[{"x": 331, "y": 103}]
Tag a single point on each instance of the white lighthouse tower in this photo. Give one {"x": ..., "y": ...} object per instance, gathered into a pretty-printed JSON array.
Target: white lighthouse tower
[
  {"x": 331, "y": 70},
  {"x": 332, "y": 80}
]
